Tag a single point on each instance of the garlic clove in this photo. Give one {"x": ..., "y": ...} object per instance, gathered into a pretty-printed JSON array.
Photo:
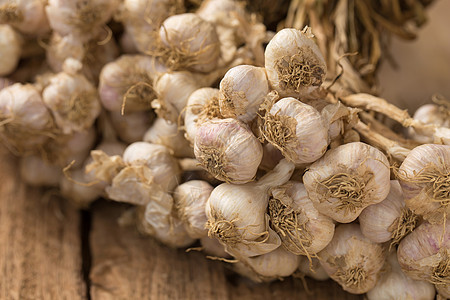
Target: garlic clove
[
  {"x": 389, "y": 219},
  {"x": 348, "y": 179},
  {"x": 294, "y": 64},
  {"x": 190, "y": 200},
  {"x": 425, "y": 179},
  {"x": 228, "y": 150},
  {"x": 242, "y": 91},
  {"x": 297, "y": 130},
  {"x": 302, "y": 229},
  {"x": 352, "y": 260}
]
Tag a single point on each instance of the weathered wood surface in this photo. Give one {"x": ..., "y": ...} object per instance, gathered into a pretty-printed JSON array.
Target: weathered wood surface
[
  {"x": 126, "y": 265},
  {"x": 40, "y": 250}
]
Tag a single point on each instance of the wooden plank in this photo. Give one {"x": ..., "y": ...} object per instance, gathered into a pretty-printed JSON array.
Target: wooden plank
[
  {"x": 40, "y": 250},
  {"x": 126, "y": 265}
]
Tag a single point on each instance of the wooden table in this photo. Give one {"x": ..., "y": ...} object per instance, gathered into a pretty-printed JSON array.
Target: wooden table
[{"x": 50, "y": 250}]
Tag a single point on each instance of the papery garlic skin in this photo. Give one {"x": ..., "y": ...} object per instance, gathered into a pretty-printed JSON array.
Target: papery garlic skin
[
  {"x": 228, "y": 150},
  {"x": 242, "y": 91},
  {"x": 132, "y": 126},
  {"x": 79, "y": 17},
  {"x": 27, "y": 16},
  {"x": 429, "y": 114},
  {"x": 294, "y": 64},
  {"x": 168, "y": 134},
  {"x": 352, "y": 260},
  {"x": 389, "y": 219},
  {"x": 158, "y": 159},
  {"x": 129, "y": 79},
  {"x": 202, "y": 105},
  {"x": 348, "y": 179},
  {"x": 173, "y": 90},
  {"x": 73, "y": 101},
  {"x": 192, "y": 42},
  {"x": 425, "y": 253},
  {"x": 26, "y": 120},
  {"x": 190, "y": 201},
  {"x": 10, "y": 48},
  {"x": 237, "y": 214},
  {"x": 312, "y": 269},
  {"x": 302, "y": 229},
  {"x": 37, "y": 172},
  {"x": 297, "y": 130},
  {"x": 396, "y": 285},
  {"x": 425, "y": 179}
]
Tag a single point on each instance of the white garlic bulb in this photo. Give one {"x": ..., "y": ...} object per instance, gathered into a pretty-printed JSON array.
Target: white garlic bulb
[
  {"x": 348, "y": 179},
  {"x": 425, "y": 179},
  {"x": 430, "y": 114},
  {"x": 131, "y": 127},
  {"x": 190, "y": 201},
  {"x": 168, "y": 134},
  {"x": 302, "y": 229},
  {"x": 189, "y": 42},
  {"x": 396, "y": 285},
  {"x": 237, "y": 214},
  {"x": 202, "y": 105},
  {"x": 37, "y": 172},
  {"x": 228, "y": 150},
  {"x": 128, "y": 82},
  {"x": 79, "y": 17},
  {"x": 158, "y": 159},
  {"x": 10, "y": 48},
  {"x": 173, "y": 90},
  {"x": 242, "y": 91},
  {"x": 352, "y": 260},
  {"x": 294, "y": 64},
  {"x": 73, "y": 101},
  {"x": 389, "y": 219},
  {"x": 312, "y": 268},
  {"x": 27, "y": 16},
  {"x": 425, "y": 253},
  {"x": 297, "y": 130},
  {"x": 25, "y": 121}
]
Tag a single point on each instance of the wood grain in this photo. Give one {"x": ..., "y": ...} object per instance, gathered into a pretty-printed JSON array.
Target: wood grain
[
  {"x": 39, "y": 241},
  {"x": 126, "y": 265}
]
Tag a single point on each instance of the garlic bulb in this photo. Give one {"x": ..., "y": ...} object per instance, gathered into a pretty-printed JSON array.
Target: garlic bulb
[
  {"x": 202, "y": 105},
  {"x": 425, "y": 179},
  {"x": 396, "y": 285},
  {"x": 425, "y": 253},
  {"x": 242, "y": 91},
  {"x": 312, "y": 268},
  {"x": 79, "y": 17},
  {"x": 237, "y": 214},
  {"x": 228, "y": 150},
  {"x": 158, "y": 159},
  {"x": 213, "y": 247},
  {"x": 189, "y": 42},
  {"x": 73, "y": 101},
  {"x": 297, "y": 130},
  {"x": 128, "y": 82},
  {"x": 273, "y": 265},
  {"x": 389, "y": 219},
  {"x": 91, "y": 54},
  {"x": 37, "y": 172},
  {"x": 132, "y": 126},
  {"x": 10, "y": 48},
  {"x": 348, "y": 179},
  {"x": 302, "y": 229},
  {"x": 25, "y": 122},
  {"x": 173, "y": 90},
  {"x": 27, "y": 16},
  {"x": 430, "y": 114},
  {"x": 352, "y": 260},
  {"x": 190, "y": 201},
  {"x": 294, "y": 64},
  {"x": 168, "y": 134}
]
